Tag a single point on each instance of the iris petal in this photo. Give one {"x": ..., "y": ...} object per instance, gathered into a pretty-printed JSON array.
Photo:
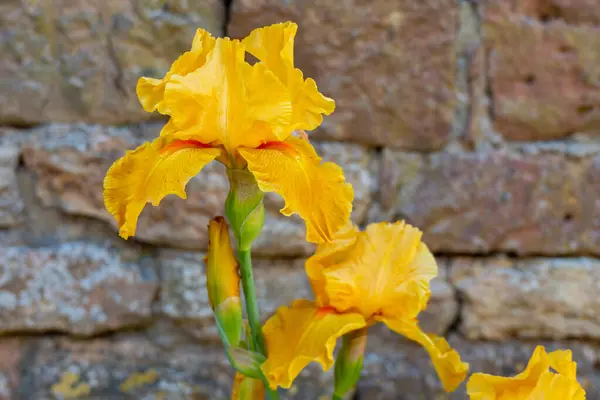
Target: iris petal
[
  {"x": 274, "y": 46},
  {"x": 446, "y": 361},
  {"x": 316, "y": 191},
  {"x": 150, "y": 91},
  {"x": 386, "y": 271},
  {"x": 300, "y": 334},
  {"x": 148, "y": 174}
]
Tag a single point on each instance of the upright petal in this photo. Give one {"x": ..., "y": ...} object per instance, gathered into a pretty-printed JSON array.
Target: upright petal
[
  {"x": 150, "y": 91},
  {"x": 562, "y": 362},
  {"x": 238, "y": 104},
  {"x": 386, "y": 272},
  {"x": 553, "y": 386},
  {"x": 483, "y": 386},
  {"x": 274, "y": 46},
  {"x": 300, "y": 334},
  {"x": 316, "y": 191},
  {"x": 446, "y": 361},
  {"x": 149, "y": 173},
  {"x": 308, "y": 104},
  {"x": 246, "y": 388},
  {"x": 329, "y": 253}
]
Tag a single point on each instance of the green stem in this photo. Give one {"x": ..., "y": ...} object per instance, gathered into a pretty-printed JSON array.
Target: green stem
[
  {"x": 336, "y": 397},
  {"x": 245, "y": 259}
]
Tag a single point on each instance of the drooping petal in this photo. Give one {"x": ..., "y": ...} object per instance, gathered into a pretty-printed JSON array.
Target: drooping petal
[
  {"x": 446, "y": 361},
  {"x": 316, "y": 191},
  {"x": 229, "y": 100},
  {"x": 484, "y": 386},
  {"x": 274, "y": 46},
  {"x": 150, "y": 91},
  {"x": 300, "y": 334},
  {"x": 385, "y": 272},
  {"x": 149, "y": 173},
  {"x": 246, "y": 388},
  {"x": 553, "y": 386}
]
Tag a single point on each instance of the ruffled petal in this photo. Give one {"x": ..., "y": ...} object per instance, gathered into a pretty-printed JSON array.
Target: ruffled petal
[
  {"x": 484, "y": 386},
  {"x": 150, "y": 91},
  {"x": 327, "y": 254},
  {"x": 274, "y": 46},
  {"x": 316, "y": 191},
  {"x": 300, "y": 334},
  {"x": 552, "y": 386},
  {"x": 385, "y": 272},
  {"x": 446, "y": 361},
  {"x": 308, "y": 104},
  {"x": 235, "y": 103},
  {"x": 149, "y": 173},
  {"x": 562, "y": 362},
  {"x": 245, "y": 388}
]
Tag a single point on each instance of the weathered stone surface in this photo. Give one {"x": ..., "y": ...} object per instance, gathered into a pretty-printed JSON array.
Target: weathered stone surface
[
  {"x": 131, "y": 366},
  {"x": 530, "y": 201},
  {"x": 79, "y": 288},
  {"x": 389, "y": 90},
  {"x": 134, "y": 367},
  {"x": 530, "y": 298},
  {"x": 11, "y": 353},
  {"x": 576, "y": 12},
  {"x": 403, "y": 369},
  {"x": 543, "y": 71},
  {"x": 279, "y": 282},
  {"x": 11, "y": 202},
  {"x": 80, "y": 60},
  {"x": 184, "y": 298},
  {"x": 71, "y": 161}
]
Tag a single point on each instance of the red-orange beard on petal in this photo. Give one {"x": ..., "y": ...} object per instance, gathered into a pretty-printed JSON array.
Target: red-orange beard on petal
[
  {"x": 323, "y": 311},
  {"x": 281, "y": 146},
  {"x": 183, "y": 144}
]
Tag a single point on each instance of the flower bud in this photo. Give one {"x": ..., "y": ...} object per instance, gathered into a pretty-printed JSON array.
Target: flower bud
[
  {"x": 349, "y": 361},
  {"x": 223, "y": 282},
  {"x": 244, "y": 207},
  {"x": 247, "y": 362},
  {"x": 246, "y": 388}
]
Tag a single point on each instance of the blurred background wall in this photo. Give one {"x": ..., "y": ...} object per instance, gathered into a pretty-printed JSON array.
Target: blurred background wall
[{"x": 478, "y": 121}]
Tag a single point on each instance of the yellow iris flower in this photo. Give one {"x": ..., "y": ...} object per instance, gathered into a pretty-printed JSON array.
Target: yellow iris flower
[
  {"x": 537, "y": 382},
  {"x": 379, "y": 275},
  {"x": 221, "y": 107}
]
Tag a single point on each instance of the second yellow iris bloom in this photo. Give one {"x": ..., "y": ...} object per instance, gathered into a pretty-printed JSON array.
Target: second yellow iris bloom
[
  {"x": 361, "y": 278},
  {"x": 221, "y": 107}
]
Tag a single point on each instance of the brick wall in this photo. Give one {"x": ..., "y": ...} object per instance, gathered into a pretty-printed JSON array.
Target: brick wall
[{"x": 478, "y": 121}]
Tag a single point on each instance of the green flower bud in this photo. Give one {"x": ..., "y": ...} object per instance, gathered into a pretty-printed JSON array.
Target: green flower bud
[
  {"x": 246, "y": 361},
  {"x": 244, "y": 207},
  {"x": 349, "y": 361}
]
